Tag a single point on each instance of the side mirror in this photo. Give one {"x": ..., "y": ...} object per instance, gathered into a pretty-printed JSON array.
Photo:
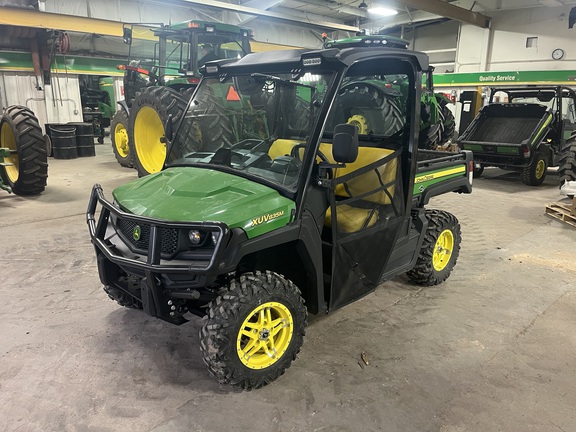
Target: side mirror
[
  {"x": 127, "y": 35},
  {"x": 345, "y": 143}
]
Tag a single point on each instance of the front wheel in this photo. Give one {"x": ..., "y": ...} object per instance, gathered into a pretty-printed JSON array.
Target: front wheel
[
  {"x": 253, "y": 330},
  {"x": 440, "y": 249},
  {"x": 535, "y": 173}
]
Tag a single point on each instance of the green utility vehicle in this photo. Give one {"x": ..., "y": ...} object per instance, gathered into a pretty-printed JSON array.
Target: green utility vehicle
[
  {"x": 526, "y": 129},
  {"x": 159, "y": 80},
  {"x": 437, "y": 124},
  {"x": 269, "y": 208},
  {"x": 23, "y": 154}
]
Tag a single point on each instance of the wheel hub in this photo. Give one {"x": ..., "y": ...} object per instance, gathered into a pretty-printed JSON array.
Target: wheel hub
[
  {"x": 265, "y": 335},
  {"x": 443, "y": 250}
]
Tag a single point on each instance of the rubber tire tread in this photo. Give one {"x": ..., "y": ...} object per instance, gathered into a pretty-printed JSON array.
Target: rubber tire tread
[
  {"x": 217, "y": 127},
  {"x": 122, "y": 117},
  {"x": 429, "y": 137},
  {"x": 164, "y": 101},
  {"x": 225, "y": 315},
  {"x": 567, "y": 164},
  {"x": 122, "y": 298},
  {"x": 423, "y": 273},
  {"x": 390, "y": 112},
  {"x": 528, "y": 174},
  {"x": 31, "y": 148},
  {"x": 448, "y": 123}
]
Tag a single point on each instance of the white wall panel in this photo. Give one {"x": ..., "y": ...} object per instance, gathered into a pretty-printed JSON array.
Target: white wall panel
[{"x": 19, "y": 89}]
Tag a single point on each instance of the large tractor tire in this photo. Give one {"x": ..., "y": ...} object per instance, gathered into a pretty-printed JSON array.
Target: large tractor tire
[
  {"x": 429, "y": 137},
  {"x": 121, "y": 136},
  {"x": 21, "y": 133},
  {"x": 567, "y": 164},
  {"x": 149, "y": 114},
  {"x": 370, "y": 109},
  {"x": 535, "y": 173},
  {"x": 448, "y": 127},
  {"x": 440, "y": 249},
  {"x": 253, "y": 330}
]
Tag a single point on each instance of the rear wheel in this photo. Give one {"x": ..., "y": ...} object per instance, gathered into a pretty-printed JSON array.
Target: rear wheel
[
  {"x": 121, "y": 139},
  {"x": 440, "y": 249},
  {"x": 567, "y": 164},
  {"x": 149, "y": 114},
  {"x": 253, "y": 330},
  {"x": 22, "y": 135},
  {"x": 535, "y": 173},
  {"x": 448, "y": 123}
]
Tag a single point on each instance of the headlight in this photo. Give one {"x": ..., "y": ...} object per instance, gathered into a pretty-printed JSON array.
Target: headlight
[{"x": 194, "y": 236}]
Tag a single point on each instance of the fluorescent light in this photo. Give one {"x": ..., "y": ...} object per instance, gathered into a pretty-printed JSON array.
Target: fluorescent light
[{"x": 382, "y": 11}]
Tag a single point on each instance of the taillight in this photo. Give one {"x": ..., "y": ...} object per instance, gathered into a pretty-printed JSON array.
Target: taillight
[
  {"x": 525, "y": 149},
  {"x": 193, "y": 80},
  {"x": 471, "y": 171}
]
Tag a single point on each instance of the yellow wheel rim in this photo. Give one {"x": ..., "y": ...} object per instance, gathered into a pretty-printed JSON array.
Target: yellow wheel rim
[
  {"x": 360, "y": 122},
  {"x": 443, "y": 250},
  {"x": 148, "y": 129},
  {"x": 8, "y": 140},
  {"x": 540, "y": 167},
  {"x": 121, "y": 140},
  {"x": 265, "y": 335}
]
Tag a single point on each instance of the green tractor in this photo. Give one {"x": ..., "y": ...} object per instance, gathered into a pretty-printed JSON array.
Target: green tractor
[
  {"x": 158, "y": 82},
  {"x": 437, "y": 124},
  {"x": 23, "y": 152}
]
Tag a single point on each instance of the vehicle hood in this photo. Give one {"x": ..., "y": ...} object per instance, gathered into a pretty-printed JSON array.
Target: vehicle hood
[{"x": 188, "y": 194}]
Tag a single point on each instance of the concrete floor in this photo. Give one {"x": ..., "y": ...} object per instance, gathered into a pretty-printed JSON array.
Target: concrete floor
[{"x": 491, "y": 349}]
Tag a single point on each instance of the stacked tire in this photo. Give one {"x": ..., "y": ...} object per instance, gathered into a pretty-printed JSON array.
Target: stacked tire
[{"x": 26, "y": 169}]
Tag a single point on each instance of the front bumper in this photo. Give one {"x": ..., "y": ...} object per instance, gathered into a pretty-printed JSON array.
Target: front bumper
[{"x": 162, "y": 284}]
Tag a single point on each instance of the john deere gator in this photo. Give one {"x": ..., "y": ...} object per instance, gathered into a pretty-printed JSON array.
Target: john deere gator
[{"x": 271, "y": 204}]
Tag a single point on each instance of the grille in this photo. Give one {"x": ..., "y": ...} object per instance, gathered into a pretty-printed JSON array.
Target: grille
[{"x": 168, "y": 236}]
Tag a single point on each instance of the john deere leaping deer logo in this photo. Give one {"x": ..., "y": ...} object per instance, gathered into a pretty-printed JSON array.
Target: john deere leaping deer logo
[
  {"x": 136, "y": 232},
  {"x": 266, "y": 218}
]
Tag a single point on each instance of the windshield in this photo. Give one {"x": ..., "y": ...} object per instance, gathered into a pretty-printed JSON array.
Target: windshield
[{"x": 256, "y": 124}]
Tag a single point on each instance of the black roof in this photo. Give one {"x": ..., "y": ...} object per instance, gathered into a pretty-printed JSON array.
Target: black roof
[{"x": 345, "y": 56}]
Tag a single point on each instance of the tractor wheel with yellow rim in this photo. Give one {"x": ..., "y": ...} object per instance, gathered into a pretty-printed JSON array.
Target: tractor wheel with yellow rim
[
  {"x": 535, "y": 173},
  {"x": 122, "y": 139},
  {"x": 25, "y": 168},
  {"x": 150, "y": 111},
  {"x": 253, "y": 330},
  {"x": 440, "y": 249}
]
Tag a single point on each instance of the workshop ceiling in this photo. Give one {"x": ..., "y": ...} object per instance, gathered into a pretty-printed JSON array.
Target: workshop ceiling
[{"x": 350, "y": 14}]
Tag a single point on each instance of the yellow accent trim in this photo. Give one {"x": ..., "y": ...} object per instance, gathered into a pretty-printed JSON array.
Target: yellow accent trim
[
  {"x": 148, "y": 129},
  {"x": 265, "y": 335},
  {"x": 266, "y": 218},
  {"x": 443, "y": 250},
  {"x": 428, "y": 177},
  {"x": 8, "y": 140},
  {"x": 546, "y": 123}
]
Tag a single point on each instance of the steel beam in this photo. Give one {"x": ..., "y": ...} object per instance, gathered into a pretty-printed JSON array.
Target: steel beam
[
  {"x": 53, "y": 21},
  {"x": 448, "y": 10}
]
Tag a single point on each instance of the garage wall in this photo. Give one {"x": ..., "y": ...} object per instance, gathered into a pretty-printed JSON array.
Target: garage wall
[
  {"x": 503, "y": 47},
  {"x": 50, "y": 105}
]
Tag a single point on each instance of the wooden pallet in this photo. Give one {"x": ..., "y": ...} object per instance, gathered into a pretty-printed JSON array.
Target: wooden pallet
[{"x": 564, "y": 212}]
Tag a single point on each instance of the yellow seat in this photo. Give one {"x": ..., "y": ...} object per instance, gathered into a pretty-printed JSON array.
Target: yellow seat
[{"x": 352, "y": 219}]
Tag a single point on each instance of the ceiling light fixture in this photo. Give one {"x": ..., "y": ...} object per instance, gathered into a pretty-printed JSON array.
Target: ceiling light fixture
[
  {"x": 382, "y": 11},
  {"x": 363, "y": 5}
]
